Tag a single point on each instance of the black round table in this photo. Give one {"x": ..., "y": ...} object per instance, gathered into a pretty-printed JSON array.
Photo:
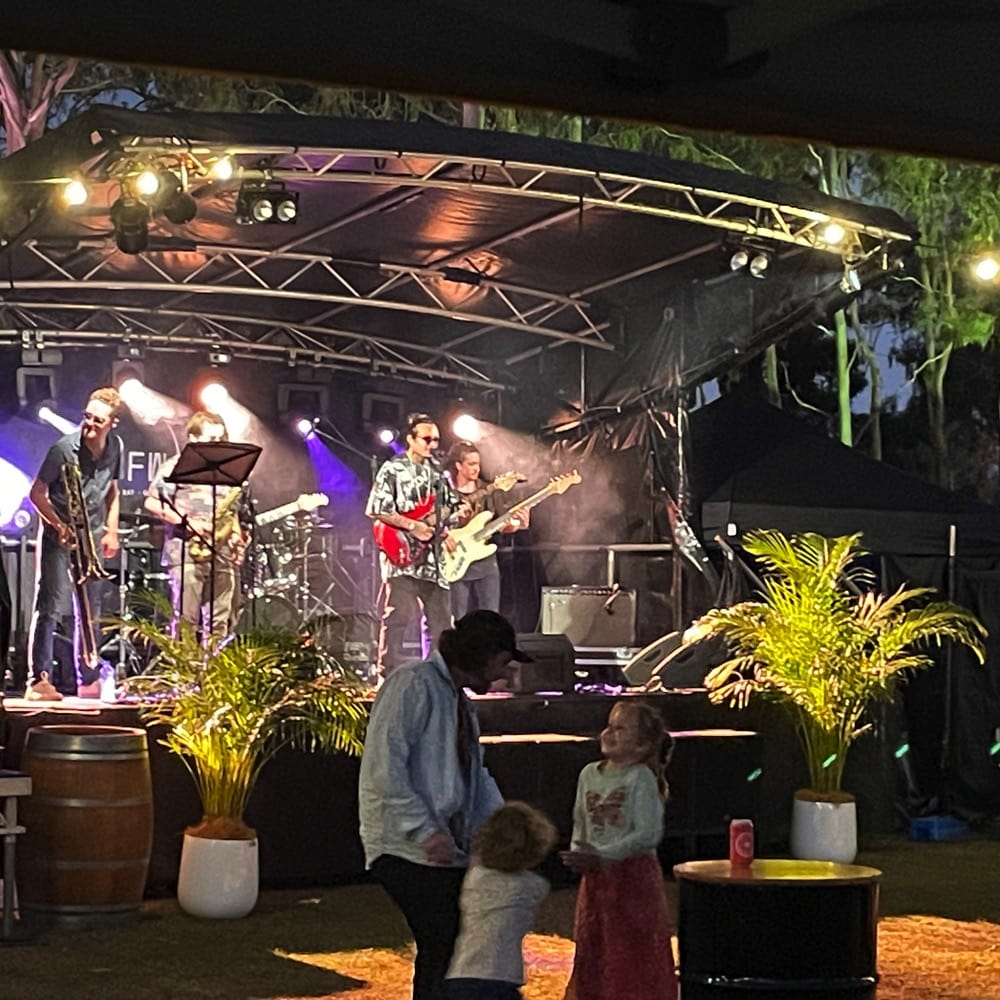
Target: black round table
[{"x": 805, "y": 930}]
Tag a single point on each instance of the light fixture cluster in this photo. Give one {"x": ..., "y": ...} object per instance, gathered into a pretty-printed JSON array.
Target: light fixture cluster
[
  {"x": 266, "y": 201},
  {"x": 755, "y": 262},
  {"x": 147, "y": 191}
]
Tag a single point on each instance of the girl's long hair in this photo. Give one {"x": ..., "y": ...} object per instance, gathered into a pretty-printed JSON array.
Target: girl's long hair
[{"x": 652, "y": 732}]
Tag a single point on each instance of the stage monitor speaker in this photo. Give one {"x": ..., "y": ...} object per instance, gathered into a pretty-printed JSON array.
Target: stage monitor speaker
[
  {"x": 553, "y": 666},
  {"x": 643, "y": 665},
  {"x": 590, "y": 616}
]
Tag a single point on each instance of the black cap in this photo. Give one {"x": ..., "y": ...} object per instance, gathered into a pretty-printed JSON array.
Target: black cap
[{"x": 494, "y": 630}]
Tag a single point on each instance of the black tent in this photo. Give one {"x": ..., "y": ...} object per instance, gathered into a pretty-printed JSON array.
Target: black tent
[{"x": 755, "y": 467}]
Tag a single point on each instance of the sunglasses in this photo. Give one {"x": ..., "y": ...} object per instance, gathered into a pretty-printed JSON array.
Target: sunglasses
[{"x": 427, "y": 439}]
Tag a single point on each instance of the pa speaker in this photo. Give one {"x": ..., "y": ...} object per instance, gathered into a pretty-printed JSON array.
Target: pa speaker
[
  {"x": 643, "y": 665},
  {"x": 552, "y": 669}
]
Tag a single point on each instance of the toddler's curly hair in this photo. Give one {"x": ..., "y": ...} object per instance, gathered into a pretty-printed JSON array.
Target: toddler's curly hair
[{"x": 515, "y": 838}]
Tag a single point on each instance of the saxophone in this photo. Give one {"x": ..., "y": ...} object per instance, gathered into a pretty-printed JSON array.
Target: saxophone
[
  {"x": 227, "y": 523},
  {"x": 84, "y": 559}
]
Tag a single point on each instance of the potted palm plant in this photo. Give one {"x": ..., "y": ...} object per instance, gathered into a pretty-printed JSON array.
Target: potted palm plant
[
  {"x": 823, "y": 645},
  {"x": 226, "y": 710}
]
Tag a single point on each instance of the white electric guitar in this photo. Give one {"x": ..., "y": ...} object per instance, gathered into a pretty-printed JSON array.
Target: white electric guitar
[
  {"x": 472, "y": 540},
  {"x": 306, "y": 502}
]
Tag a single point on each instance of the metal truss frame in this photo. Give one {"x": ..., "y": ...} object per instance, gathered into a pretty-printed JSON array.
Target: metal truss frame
[{"x": 215, "y": 296}]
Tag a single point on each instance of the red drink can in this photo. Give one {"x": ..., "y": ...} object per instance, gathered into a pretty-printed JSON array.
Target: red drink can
[{"x": 741, "y": 842}]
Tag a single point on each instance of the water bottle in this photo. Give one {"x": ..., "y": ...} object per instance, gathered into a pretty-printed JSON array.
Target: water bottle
[
  {"x": 107, "y": 684},
  {"x": 740, "y": 842}
]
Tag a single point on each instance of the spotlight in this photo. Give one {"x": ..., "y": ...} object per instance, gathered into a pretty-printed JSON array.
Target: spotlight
[
  {"x": 222, "y": 169},
  {"x": 130, "y": 218},
  {"x": 386, "y": 435},
  {"x": 265, "y": 202},
  {"x": 467, "y": 428},
  {"x": 47, "y": 414},
  {"x": 75, "y": 194},
  {"x": 759, "y": 264},
  {"x": 833, "y": 234},
  {"x": 219, "y": 356},
  {"x": 986, "y": 268},
  {"x": 214, "y": 395},
  {"x": 739, "y": 260},
  {"x": 147, "y": 183},
  {"x": 305, "y": 427}
]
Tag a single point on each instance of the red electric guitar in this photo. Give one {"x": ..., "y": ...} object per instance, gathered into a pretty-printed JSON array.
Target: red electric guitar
[{"x": 402, "y": 549}]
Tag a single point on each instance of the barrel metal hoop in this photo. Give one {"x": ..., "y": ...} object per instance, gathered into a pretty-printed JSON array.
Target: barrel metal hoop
[
  {"x": 71, "y": 755},
  {"x": 65, "y": 866},
  {"x": 49, "y": 800}
]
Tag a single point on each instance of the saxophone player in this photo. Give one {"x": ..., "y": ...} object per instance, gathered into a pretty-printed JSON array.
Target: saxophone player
[
  {"x": 188, "y": 561},
  {"x": 97, "y": 453}
]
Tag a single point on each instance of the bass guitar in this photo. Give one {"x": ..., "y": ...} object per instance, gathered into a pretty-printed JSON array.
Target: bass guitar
[
  {"x": 472, "y": 540},
  {"x": 402, "y": 549}
]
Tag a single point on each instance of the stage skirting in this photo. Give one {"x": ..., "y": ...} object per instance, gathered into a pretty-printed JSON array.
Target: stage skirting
[{"x": 305, "y": 805}]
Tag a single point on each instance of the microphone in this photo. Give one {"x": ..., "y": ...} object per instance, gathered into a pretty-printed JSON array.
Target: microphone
[{"x": 609, "y": 604}]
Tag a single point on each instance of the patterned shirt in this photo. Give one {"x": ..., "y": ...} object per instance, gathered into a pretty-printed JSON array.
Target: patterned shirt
[
  {"x": 618, "y": 811},
  {"x": 400, "y": 487}
]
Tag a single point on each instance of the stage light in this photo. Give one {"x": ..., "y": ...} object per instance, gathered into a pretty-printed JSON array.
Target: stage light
[
  {"x": 223, "y": 169},
  {"x": 986, "y": 268},
  {"x": 75, "y": 194},
  {"x": 147, "y": 183},
  {"x": 130, "y": 219},
  {"x": 739, "y": 260},
  {"x": 219, "y": 356},
  {"x": 266, "y": 202},
  {"x": 386, "y": 435},
  {"x": 467, "y": 428},
  {"x": 214, "y": 396},
  {"x": 833, "y": 234},
  {"x": 305, "y": 427},
  {"x": 759, "y": 264},
  {"x": 47, "y": 414}
]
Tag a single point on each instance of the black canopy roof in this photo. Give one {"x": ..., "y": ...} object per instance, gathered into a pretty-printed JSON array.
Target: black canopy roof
[
  {"x": 420, "y": 250},
  {"x": 756, "y": 467}
]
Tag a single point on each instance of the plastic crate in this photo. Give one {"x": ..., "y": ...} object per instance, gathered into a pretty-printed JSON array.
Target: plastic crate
[{"x": 937, "y": 828}]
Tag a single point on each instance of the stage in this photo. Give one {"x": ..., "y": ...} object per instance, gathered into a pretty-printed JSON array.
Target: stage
[{"x": 305, "y": 805}]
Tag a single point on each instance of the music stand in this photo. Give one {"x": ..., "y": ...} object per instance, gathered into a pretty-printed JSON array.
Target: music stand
[{"x": 213, "y": 463}]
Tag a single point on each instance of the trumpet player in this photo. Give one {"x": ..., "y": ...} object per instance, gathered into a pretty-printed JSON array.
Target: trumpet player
[
  {"x": 62, "y": 603},
  {"x": 201, "y": 582}
]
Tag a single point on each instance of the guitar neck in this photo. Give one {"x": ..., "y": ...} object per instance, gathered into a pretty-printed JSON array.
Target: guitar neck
[
  {"x": 277, "y": 513},
  {"x": 536, "y": 498}
]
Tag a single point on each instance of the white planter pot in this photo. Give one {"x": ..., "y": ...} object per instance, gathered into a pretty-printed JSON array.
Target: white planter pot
[
  {"x": 824, "y": 831},
  {"x": 218, "y": 878}
]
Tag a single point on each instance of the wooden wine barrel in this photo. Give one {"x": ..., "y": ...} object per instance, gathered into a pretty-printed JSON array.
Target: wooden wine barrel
[{"x": 89, "y": 825}]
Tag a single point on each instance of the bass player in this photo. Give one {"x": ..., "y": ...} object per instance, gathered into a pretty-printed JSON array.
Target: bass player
[
  {"x": 194, "y": 587},
  {"x": 97, "y": 454},
  {"x": 479, "y": 587},
  {"x": 410, "y": 502}
]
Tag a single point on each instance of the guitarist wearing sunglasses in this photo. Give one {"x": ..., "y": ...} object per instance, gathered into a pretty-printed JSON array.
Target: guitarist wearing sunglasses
[{"x": 409, "y": 504}]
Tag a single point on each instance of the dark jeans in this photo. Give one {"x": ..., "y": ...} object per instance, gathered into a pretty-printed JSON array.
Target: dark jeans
[
  {"x": 405, "y": 598},
  {"x": 54, "y": 612},
  {"x": 428, "y": 898},
  {"x": 483, "y": 989},
  {"x": 470, "y": 595}
]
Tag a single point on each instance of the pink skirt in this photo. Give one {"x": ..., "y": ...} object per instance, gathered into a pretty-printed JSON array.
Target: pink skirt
[{"x": 622, "y": 934}]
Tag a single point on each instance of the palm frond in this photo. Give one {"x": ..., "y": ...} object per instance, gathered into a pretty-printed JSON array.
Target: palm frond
[{"x": 818, "y": 650}]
